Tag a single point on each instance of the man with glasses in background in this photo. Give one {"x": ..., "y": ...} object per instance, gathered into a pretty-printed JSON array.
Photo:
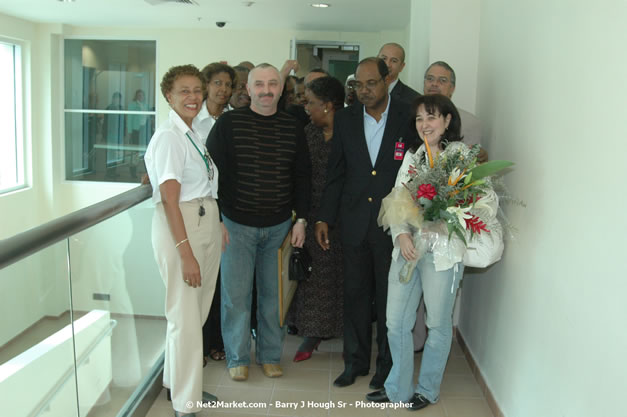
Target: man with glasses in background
[
  {"x": 440, "y": 79},
  {"x": 369, "y": 140}
]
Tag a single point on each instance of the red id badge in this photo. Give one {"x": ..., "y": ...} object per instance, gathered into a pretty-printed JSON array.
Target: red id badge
[{"x": 399, "y": 151}]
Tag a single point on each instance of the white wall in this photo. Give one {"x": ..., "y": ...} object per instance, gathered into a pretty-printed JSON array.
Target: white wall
[
  {"x": 546, "y": 324},
  {"x": 454, "y": 39},
  {"x": 445, "y": 30}
]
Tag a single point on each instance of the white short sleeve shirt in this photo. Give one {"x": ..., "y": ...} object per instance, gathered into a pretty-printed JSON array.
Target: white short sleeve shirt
[
  {"x": 174, "y": 153},
  {"x": 203, "y": 122}
]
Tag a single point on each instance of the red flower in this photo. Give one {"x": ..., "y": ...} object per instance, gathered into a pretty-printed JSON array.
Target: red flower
[
  {"x": 427, "y": 191},
  {"x": 476, "y": 225}
]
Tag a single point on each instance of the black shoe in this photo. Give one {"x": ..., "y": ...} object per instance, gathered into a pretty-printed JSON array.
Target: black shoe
[
  {"x": 348, "y": 378},
  {"x": 417, "y": 402},
  {"x": 378, "y": 396},
  {"x": 376, "y": 382}
]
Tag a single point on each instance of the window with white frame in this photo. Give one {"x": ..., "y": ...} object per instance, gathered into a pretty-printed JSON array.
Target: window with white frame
[
  {"x": 11, "y": 118},
  {"x": 109, "y": 108}
]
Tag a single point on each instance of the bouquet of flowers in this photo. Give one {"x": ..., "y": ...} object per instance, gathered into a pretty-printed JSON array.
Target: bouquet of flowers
[
  {"x": 448, "y": 194},
  {"x": 449, "y": 186}
]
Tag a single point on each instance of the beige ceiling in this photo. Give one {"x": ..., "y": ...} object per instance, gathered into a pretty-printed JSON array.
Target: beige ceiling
[{"x": 343, "y": 15}]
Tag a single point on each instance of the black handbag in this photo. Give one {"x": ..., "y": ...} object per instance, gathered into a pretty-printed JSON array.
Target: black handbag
[{"x": 300, "y": 264}]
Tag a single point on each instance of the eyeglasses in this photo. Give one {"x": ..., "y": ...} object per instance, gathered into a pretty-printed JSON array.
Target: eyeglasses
[
  {"x": 439, "y": 80},
  {"x": 370, "y": 84}
]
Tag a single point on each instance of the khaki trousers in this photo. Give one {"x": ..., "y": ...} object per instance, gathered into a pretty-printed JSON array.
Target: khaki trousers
[{"x": 187, "y": 308}]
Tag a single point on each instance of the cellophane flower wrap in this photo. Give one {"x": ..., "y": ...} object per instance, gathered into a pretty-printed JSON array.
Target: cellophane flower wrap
[{"x": 448, "y": 195}]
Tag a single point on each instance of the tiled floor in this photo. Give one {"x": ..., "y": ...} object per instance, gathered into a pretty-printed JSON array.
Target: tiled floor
[{"x": 309, "y": 384}]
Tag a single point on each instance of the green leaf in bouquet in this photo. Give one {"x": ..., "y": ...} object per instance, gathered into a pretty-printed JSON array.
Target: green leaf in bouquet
[
  {"x": 468, "y": 177},
  {"x": 455, "y": 228},
  {"x": 489, "y": 168}
]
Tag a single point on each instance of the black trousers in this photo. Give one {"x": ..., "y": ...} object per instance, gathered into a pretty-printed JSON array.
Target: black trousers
[{"x": 366, "y": 268}]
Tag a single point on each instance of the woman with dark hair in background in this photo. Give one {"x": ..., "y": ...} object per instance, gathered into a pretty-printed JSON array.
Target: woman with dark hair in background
[
  {"x": 317, "y": 307},
  {"x": 220, "y": 81}
]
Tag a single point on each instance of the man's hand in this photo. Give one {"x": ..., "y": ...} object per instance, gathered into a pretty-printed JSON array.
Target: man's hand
[
  {"x": 290, "y": 64},
  {"x": 322, "y": 235},
  {"x": 298, "y": 235},
  {"x": 225, "y": 236},
  {"x": 407, "y": 247}
]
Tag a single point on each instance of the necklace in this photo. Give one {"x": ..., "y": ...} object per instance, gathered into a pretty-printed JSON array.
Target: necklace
[{"x": 215, "y": 117}]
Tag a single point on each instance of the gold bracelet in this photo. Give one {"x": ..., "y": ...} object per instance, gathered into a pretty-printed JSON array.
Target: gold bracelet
[
  {"x": 318, "y": 222},
  {"x": 180, "y": 243}
]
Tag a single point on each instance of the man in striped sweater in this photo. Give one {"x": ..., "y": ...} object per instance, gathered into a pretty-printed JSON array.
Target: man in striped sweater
[{"x": 265, "y": 174}]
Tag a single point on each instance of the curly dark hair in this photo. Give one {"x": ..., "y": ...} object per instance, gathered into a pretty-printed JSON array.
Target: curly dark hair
[
  {"x": 328, "y": 89},
  {"x": 167, "y": 82},
  {"x": 437, "y": 103}
]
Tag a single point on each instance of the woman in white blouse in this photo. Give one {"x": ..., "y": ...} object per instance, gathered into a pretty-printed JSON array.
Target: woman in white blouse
[
  {"x": 440, "y": 266},
  {"x": 186, "y": 234}
]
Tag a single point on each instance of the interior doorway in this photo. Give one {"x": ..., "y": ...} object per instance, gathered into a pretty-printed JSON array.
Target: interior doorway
[{"x": 340, "y": 59}]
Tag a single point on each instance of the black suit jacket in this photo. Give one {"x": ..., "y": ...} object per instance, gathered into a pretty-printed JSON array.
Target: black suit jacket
[
  {"x": 404, "y": 93},
  {"x": 354, "y": 187}
]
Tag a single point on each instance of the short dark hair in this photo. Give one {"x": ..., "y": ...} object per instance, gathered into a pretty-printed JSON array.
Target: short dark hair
[
  {"x": 291, "y": 77},
  {"x": 241, "y": 68},
  {"x": 320, "y": 71},
  {"x": 328, "y": 89},
  {"x": 216, "y": 68},
  {"x": 445, "y": 66},
  {"x": 437, "y": 103},
  {"x": 167, "y": 82},
  {"x": 383, "y": 69}
]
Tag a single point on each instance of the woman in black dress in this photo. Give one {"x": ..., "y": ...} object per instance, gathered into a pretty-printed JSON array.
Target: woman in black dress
[{"x": 317, "y": 307}]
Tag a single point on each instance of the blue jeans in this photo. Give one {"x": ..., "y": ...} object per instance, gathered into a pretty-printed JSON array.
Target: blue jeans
[
  {"x": 251, "y": 249},
  {"x": 439, "y": 290}
]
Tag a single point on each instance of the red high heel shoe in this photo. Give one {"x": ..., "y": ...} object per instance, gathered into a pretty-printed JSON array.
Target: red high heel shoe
[{"x": 303, "y": 355}]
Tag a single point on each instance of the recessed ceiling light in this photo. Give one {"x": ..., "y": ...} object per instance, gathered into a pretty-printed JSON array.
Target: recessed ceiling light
[
  {"x": 320, "y": 5},
  {"x": 67, "y": 1}
]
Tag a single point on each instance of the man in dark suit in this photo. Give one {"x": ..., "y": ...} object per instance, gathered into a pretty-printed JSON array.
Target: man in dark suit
[
  {"x": 368, "y": 148},
  {"x": 393, "y": 55}
]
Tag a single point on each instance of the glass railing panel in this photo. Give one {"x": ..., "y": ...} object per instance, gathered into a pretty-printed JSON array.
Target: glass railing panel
[
  {"x": 116, "y": 283},
  {"x": 37, "y": 372}
]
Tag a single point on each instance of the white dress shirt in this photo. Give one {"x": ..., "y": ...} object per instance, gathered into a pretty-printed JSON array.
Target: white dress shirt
[
  {"x": 171, "y": 155},
  {"x": 373, "y": 131}
]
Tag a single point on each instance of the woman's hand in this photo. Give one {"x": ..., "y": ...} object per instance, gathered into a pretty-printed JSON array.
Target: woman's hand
[
  {"x": 407, "y": 247},
  {"x": 191, "y": 269}
]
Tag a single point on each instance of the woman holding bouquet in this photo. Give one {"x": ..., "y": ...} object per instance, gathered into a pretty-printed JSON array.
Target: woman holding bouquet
[{"x": 426, "y": 245}]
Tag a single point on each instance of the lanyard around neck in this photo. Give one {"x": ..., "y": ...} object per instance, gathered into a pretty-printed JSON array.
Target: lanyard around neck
[{"x": 204, "y": 158}]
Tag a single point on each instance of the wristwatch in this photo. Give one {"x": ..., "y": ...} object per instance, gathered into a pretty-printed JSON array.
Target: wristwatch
[{"x": 302, "y": 220}]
